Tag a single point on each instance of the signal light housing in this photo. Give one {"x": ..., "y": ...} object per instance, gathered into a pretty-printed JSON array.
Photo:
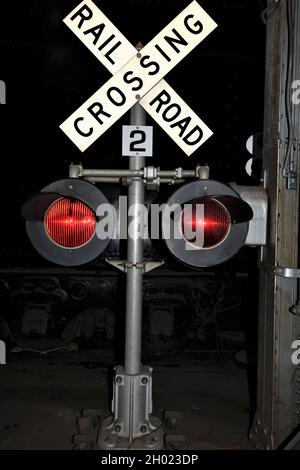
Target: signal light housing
[
  {"x": 61, "y": 222},
  {"x": 223, "y": 218}
]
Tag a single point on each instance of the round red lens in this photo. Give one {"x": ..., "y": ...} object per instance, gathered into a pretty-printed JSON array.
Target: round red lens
[
  {"x": 205, "y": 223},
  {"x": 70, "y": 223}
]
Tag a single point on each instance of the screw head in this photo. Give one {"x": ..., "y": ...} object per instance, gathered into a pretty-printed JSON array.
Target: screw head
[
  {"x": 139, "y": 55},
  {"x": 137, "y": 97},
  {"x": 119, "y": 379},
  {"x": 143, "y": 428},
  {"x": 117, "y": 428},
  {"x": 144, "y": 380}
]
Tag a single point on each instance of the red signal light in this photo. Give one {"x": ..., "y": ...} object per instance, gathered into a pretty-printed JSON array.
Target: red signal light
[
  {"x": 220, "y": 215},
  {"x": 209, "y": 219},
  {"x": 61, "y": 222},
  {"x": 69, "y": 223}
]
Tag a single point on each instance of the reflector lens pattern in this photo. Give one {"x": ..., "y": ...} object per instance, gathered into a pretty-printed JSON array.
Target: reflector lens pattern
[
  {"x": 213, "y": 223},
  {"x": 70, "y": 223}
]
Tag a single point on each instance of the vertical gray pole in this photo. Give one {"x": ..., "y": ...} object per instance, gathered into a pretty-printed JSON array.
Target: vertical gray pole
[
  {"x": 134, "y": 287},
  {"x": 132, "y": 424}
]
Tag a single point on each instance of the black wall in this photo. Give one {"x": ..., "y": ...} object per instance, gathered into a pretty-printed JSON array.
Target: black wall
[{"x": 49, "y": 74}]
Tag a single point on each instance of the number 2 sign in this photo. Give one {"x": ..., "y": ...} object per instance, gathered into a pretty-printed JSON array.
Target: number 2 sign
[{"x": 137, "y": 141}]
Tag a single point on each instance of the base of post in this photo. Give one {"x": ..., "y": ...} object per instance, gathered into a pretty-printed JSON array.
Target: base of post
[
  {"x": 131, "y": 425},
  {"x": 109, "y": 439},
  {"x": 97, "y": 433}
]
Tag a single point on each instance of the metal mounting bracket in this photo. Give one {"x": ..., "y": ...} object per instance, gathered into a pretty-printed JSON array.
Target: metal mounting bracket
[
  {"x": 287, "y": 272},
  {"x": 261, "y": 435},
  {"x": 290, "y": 273},
  {"x": 123, "y": 266},
  {"x": 132, "y": 424}
]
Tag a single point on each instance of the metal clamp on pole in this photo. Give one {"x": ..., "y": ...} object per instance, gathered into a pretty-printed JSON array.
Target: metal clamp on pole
[
  {"x": 150, "y": 175},
  {"x": 289, "y": 273}
]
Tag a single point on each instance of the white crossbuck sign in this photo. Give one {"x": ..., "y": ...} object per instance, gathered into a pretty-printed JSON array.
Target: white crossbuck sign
[{"x": 138, "y": 76}]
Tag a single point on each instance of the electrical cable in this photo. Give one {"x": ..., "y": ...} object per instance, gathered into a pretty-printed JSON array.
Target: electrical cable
[
  {"x": 269, "y": 11},
  {"x": 288, "y": 162}
]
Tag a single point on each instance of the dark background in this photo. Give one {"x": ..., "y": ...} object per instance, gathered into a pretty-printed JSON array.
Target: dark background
[{"x": 49, "y": 73}]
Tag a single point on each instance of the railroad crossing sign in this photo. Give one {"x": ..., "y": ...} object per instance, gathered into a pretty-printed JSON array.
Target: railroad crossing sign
[{"x": 138, "y": 76}]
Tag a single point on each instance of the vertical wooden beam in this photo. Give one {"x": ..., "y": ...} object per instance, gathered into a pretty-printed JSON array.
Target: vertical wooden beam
[{"x": 278, "y": 394}]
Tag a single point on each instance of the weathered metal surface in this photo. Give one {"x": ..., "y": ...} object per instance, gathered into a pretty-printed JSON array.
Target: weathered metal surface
[{"x": 278, "y": 409}]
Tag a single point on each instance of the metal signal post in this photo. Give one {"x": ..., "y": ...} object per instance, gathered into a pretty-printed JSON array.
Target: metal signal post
[
  {"x": 135, "y": 261},
  {"x": 131, "y": 425}
]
